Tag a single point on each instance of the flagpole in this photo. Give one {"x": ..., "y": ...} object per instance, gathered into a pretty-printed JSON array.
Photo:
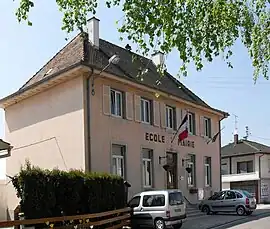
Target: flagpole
[{"x": 178, "y": 127}]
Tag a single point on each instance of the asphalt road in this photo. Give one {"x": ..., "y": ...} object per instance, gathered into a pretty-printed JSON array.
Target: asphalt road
[
  {"x": 255, "y": 224},
  {"x": 230, "y": 221}
]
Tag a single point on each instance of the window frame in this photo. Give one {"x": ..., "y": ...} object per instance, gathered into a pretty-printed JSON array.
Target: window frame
[
  {"x": 116, "y": 92},
  {"x": 115, "y": 155},
  {"x": 144, "y": 164},
  {"x": 167, "y": 108},
  {"x": 244, "y": 162},
  {"x": 207, "y": 127},
  {"x": 191, "y": 175},
  {"x": 207, "y": 173},
  {"x": 191, "y": 123},
  {"x": 143, "y": 111}
]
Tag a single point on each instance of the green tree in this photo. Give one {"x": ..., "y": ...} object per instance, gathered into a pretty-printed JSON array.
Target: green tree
[{"x": 199, "y": 29}]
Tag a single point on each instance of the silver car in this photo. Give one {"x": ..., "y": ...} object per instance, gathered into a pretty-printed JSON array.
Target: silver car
[
  {"x": 158, "y": 209},
  {"x": 239, "y": 201}
]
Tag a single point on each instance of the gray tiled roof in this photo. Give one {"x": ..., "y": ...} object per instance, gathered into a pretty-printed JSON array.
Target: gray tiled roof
[
  {"x": 243, "y": 147},
  {"x": 79, "y": 50}
]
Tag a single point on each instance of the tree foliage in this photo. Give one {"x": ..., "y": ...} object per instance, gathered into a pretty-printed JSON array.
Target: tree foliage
[{"x": 199, "y": 29}]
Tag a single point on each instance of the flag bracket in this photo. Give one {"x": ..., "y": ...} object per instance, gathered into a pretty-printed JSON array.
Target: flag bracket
[{"x": 161, "y": 157}]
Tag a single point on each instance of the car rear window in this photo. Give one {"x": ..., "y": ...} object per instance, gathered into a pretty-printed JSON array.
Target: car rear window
[
  {"x": 247, "y": 194},
  {"x": 153, "y": 200},
  {"x": 175, "y": 198}
]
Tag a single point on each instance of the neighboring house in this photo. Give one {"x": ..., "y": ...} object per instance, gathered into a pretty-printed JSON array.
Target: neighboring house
[
  {"x": 86, "y": 111},
  {"x": 5, "y": 151},
  {"x": 246, "y": 165}
]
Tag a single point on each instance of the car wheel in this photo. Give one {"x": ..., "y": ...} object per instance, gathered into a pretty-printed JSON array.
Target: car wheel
[
  {"x": 249, "y": 212},
  {"x": 206, "y": 209},
  {"x": 178, "y": 226},
  {"x": 240, "y": 211},
  {"x": 159, "y": 224}
]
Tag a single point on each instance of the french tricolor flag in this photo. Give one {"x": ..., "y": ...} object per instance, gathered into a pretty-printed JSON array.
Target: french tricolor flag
[{"x": 183, "y": 129}]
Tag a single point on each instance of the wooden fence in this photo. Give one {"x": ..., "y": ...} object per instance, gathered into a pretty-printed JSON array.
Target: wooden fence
[{"x": 110, "y": 220}]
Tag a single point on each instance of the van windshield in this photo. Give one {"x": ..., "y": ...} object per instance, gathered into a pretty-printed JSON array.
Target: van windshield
[{"x": 175, "y": 198}]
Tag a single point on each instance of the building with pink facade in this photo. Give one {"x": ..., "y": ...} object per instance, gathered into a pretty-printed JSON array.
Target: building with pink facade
[{"x": 95, "y": 107}]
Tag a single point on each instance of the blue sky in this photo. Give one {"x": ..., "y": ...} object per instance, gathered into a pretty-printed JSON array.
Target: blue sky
[{"x": 24, "y": 49}]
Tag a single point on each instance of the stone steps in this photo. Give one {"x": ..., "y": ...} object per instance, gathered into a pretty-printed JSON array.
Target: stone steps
[{"x": 193, "y": 212}]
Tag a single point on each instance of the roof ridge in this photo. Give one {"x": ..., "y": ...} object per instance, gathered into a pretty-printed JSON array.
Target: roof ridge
[
  {"x": 40, "y": 69},
  {"x": 245, "y": 142},
  {"x": 126, "y": 49}
]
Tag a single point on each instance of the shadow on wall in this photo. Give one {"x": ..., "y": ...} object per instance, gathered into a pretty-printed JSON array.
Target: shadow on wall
[
  {"x": 3, "y": 201},
  {"x": 57, "y": 101}
]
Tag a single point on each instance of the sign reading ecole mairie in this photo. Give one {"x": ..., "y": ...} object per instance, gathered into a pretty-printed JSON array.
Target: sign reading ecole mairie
[{"x": 158, "y": 138}]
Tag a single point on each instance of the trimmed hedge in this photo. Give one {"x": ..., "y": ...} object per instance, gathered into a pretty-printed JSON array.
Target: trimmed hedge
[{"x": 46, "y": 193}]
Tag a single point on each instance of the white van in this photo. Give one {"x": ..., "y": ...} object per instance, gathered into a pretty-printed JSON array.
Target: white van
[{"x": 158, "y": 209}]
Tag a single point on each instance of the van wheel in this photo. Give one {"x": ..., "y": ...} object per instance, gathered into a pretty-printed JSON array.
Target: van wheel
[
  {"x": 240, "y": 211},
  {"x": 159, "y": 224}
]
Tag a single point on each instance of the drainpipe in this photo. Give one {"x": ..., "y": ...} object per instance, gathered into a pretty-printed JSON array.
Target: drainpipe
[
  {"x": 220, "y": 170},
  {"x": 260, "y": 175},
  {"x": 88, "y": 122}
]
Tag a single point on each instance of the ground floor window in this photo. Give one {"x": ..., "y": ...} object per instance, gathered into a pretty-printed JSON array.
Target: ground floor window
[
  {"x": 147, "y": 168},
  {"x": 118, "y": 160},
  {"x": 207, "y": 171},
  {"x": 191, "y": 176}
]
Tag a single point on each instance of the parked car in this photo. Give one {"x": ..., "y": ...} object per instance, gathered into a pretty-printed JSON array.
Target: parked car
[
  {"x": 158, "y": 209},
  {"x": 239, "y": 201}
]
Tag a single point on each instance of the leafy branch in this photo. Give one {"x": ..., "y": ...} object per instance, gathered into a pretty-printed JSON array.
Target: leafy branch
[{"x": 199, "y": 29}]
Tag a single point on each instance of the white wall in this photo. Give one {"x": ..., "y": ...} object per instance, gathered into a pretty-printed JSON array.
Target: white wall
[{"x": 265, "y": 170}]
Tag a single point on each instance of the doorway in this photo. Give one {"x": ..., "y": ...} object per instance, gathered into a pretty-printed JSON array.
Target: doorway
[{"x": 172, "y": 170}]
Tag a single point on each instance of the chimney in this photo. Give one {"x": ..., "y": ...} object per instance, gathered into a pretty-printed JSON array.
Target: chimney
[
  {"x": 93, "y": 31},
  {"x": 158, "y": 58},
  {"x": 235, "y": 137}
]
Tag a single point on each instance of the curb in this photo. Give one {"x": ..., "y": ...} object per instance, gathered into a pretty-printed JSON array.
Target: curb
[{"x": 236, "y": 220}]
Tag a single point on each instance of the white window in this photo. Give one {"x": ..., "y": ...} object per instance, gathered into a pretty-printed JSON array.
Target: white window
[
  {"x": 170, "y": 117},
  {"x": 191, "y": 175},
  {"x": 145, "y": 111},
  {"x": 116, "y": 103},
  {"x": 147, "y": 168},
  {"x": 191, "y": 123},
  {"x": 118, "y": 160},
  {"x": 207, "y": 127},
  {"x": 207, "y": 171}
]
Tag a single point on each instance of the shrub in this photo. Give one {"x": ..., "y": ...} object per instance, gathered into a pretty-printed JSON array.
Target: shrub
[{"x": 46, "y": 193}]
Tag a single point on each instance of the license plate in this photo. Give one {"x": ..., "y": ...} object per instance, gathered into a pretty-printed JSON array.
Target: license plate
[{"x": 178, "y": 210}]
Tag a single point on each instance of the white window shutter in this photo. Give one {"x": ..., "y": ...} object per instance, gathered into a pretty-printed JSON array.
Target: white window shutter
[
  {"x": 106, "y": 102},
  {"x": 129, "y": 106},
  {"x": 202, "y": 126},
  {"x": 137, "y": 108},
  {"x": 162, "y": 115},
  {"x": 179, "y": 117},
  {"x": 156, "y": 113}
]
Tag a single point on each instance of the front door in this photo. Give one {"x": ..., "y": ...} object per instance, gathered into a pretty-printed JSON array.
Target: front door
[
  {"x": 230, "y": 201},
  {"x": 217, "y": 202},
  {"x": 172, "y": 170}
]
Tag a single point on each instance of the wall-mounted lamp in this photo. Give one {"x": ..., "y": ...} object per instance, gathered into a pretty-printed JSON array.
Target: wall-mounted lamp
[
  {"x": 161, "y": 157},
  {"x": 113, "y": 60}
]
